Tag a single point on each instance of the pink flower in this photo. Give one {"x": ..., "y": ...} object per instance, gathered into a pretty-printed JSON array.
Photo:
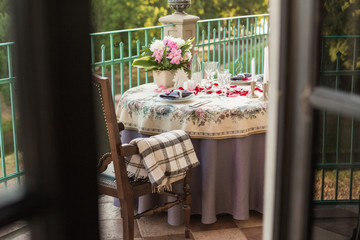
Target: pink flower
[
  {"x": 158, "y": 54},
  {"x": 172, "y": 44},
  {"x": 200, "y": 113},
  {"x": 175, "y": 56}
]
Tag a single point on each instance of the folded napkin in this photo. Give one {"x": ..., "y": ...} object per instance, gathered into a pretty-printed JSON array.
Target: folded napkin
[
  {"x": 163, "y": 158},
  {"x": 259, "y": 77},
  {"x": 241, "y": 76},
  {"x": 176, "y": 94},
  {"x": 247, "y": 76}
]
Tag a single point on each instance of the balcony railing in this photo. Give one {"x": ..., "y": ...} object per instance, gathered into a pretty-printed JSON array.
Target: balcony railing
[
  {"x": 234, "y": 41},
  {"x": 10, "y": 167},
  {"x": 113, "y": 53},
  {"x": 337, "y": 155}
]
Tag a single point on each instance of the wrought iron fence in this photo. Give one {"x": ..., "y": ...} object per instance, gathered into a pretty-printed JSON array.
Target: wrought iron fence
[
  {"x": 113, "y": 53},
  {"x": 10, "y": 164},
  {"x": 234, "y": 41},
  {"x": 337, "y": 174}
]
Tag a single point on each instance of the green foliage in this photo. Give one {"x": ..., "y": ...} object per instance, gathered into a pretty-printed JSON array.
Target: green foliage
[
  {"x": 340, "y": 17},
  {"x": 109, "y": 15},
  {"x": 4, "y": 21}
]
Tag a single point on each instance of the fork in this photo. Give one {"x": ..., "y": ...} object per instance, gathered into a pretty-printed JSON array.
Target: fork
[{"x": 198, "y": 104}]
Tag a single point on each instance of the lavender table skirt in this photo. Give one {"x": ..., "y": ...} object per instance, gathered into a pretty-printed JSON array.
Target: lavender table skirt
[{"x": 230, "y": 178}]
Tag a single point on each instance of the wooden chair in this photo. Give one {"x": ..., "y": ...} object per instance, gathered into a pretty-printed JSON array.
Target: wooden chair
[{"x": 113, "y": 179}]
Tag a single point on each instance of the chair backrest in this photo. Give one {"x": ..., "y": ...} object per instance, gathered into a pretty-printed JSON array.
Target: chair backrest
[{"x": 107, "y": 132}]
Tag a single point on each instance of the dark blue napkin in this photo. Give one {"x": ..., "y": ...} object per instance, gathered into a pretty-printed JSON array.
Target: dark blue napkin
[
  {"x": 175, "y": 94},
  {"x": 240, "y": 76}
]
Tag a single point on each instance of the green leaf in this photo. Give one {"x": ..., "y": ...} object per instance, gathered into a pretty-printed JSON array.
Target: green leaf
[{"x": 144, "y": 62}]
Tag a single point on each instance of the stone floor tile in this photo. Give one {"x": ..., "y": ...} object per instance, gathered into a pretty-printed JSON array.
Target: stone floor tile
[
  {"x": 253, "y": 233},
  {"x": 12, "y": 228},
  {"x": 25, "y": 236},
  {"x": 22, "y": 233},
  {"x": 255, "y": 220},
  {"x": 108, "y": 211},
  {"x": 171, "y": 237},
  {"x": 322, "y": 234},
  {"x": 335, "y": 212},
  {"x": 157, "y": 226},
  {"x": 220, "y": 234},
  {"x": 113, "y": 229},
  {"x": 105, "y": 199},
  {"x": 223, "y": 222},
  {"x": 341, "y": 226}
]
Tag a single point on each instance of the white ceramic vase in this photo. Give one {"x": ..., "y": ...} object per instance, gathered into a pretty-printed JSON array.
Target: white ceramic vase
[{"x": 164, "y": 77}]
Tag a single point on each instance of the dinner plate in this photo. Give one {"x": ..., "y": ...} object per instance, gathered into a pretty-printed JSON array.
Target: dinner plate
[
  {"x": 177, "y": 100},
  {"x": 240, "y": 82}
]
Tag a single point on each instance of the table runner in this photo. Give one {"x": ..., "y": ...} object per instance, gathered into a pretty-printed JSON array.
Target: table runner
[{"x": 141, "y": 109}]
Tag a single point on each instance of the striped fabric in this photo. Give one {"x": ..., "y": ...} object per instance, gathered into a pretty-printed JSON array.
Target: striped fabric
[{"x": 163, "y": 158}]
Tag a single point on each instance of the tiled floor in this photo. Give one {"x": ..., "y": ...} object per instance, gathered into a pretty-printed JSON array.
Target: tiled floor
[
  {"x": 335, "y": 223},
  {"x": 157, "y": 228}
]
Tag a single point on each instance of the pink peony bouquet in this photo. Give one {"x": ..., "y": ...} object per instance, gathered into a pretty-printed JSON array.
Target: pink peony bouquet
[{"x": 168, "y": 54}]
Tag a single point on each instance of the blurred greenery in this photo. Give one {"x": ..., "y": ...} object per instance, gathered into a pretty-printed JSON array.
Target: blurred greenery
[
  {"x": 109, "y": 15},
  {"x": 340, "y": 17}
]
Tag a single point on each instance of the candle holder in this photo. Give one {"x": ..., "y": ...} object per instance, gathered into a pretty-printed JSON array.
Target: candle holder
[
  {"x": 252, "y": 94},
  {"x": 265, "y": 87}
]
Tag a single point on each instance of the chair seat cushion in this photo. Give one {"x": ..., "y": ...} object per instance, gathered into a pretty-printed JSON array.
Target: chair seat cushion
[{"x": 109, "y": 173}]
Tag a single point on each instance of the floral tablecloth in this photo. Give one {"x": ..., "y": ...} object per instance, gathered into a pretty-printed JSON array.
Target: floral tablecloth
[{"x": 215, "y": 117}]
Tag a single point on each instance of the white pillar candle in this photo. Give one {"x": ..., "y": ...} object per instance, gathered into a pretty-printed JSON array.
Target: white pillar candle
[
  {"x": 266, "y": 64},
  {"x": 253, "y": 69}
]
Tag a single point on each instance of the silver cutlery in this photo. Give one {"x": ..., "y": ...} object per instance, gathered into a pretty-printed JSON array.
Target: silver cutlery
[{"x": 198, "y": 104}]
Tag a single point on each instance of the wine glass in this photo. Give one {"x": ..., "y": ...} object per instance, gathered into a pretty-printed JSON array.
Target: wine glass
[
  {"x": 210, "y": 70},
  {"x": 224, "y": 80}
]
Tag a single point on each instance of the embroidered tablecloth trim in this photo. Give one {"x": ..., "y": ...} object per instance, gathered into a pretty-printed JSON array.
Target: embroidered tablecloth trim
[{"x": 220, "y": 135}]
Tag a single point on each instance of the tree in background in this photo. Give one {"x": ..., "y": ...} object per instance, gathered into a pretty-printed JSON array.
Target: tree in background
[
  {"x": 4, "y": 34},
  {"x": 109, "y": 15},
  {"x": 339, "y": 18},
  {"x": 4, "y": 21}
]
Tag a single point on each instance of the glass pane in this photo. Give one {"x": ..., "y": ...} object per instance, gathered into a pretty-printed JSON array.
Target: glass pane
[
  {"x": 340, "y": 52},
  {"x": 337, "y": 175},
  {"x": 11, "y": 165},
  {"x": 337, "y": 138}
]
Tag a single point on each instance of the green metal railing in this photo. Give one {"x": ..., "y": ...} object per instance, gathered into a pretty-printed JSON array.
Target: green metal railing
[
  {"x": 9, "y": 166},
  {"x": 338, "y": 163},
  {"x": 234, "y": 41},
  {"x": 116, "y": 54}
]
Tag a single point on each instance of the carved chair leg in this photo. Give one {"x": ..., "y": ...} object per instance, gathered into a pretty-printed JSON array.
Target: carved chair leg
[
  {"x": 187, "y": 203},
  {"x": 127, "y": 214}
]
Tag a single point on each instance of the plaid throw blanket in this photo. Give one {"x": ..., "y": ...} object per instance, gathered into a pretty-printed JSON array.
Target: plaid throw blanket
[{"x": 163, "y": 158}]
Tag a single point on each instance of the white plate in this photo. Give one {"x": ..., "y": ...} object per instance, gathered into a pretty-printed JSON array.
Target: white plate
[
  {"x": 240, "y": 82},
  {"x": 177, "y": 100}
]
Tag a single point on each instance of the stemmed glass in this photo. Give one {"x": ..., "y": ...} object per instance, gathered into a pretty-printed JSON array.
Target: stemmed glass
[
  {"x": 224, "y": 80},
  {"x": 210, "y": 70}
]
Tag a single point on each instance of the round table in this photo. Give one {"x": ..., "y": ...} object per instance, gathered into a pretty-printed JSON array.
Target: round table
[
  {"x": 206, "y": 116},
  {"x": 228, "y": 135}
]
